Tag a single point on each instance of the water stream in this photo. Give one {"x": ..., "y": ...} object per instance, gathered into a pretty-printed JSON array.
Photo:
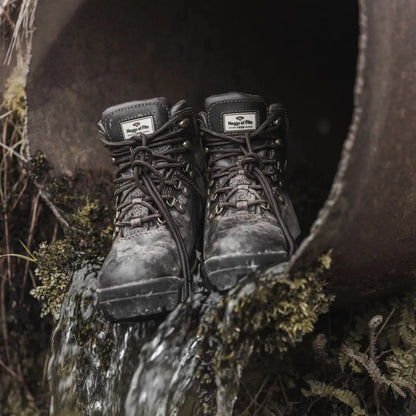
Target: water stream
[{"x": 139, "y": 369}]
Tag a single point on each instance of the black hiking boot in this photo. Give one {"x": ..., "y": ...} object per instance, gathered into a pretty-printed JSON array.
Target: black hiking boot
[
  {"x": 250, "y": 222},
  {"x": 160, "y": 200}
]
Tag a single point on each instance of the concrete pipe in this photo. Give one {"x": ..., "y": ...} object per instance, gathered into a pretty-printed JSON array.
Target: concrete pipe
[{"x": 90, "y": 54}]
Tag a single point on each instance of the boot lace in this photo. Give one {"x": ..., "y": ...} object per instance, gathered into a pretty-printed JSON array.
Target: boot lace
[
  {"x": 152, "y": 164},
  {"x": 256, "y": 161}
]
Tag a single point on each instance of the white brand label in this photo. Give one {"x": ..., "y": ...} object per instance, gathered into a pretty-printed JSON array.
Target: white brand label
[
  {"x": 240, "y": 122},
  {"x": 142, "y": 125}
]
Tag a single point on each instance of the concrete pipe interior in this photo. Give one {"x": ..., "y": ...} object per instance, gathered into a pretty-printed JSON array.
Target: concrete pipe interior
[{"x": 302, "y": 54}]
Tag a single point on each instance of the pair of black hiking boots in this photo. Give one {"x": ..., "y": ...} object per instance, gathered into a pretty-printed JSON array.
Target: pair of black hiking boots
[{"x": 214, "y": 182}]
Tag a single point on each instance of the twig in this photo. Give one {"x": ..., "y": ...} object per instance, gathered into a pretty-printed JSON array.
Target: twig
[
  {"x": 250, "y": 397},
  {"x": 5, "y": 208},
  {"x": 32, "y": 278},
  {"x": 19, "y": 197},
  {"x": 55, "y": 232},
  {"x": 22, "y": 34},
  {"x": 385, "y": 323},
  {"x": 19, "y": 377},
  {"x": 8, "y": 369},
  {"x": 282, "y": 387},
  {"x": 6, "y": 14},
  {"x": 4, "y": 328},
  {"x": 312, "y": 405},
  {"x": 263, "y": 403},
  {"x": 13, "y": 152},
  {"x": 29, "y": 395},
  {"x": 36, "y": 209},
  {"x": 6, "y": 114},
  {"x": 254, "y": 399},
  {"x": 51, "y": 206},
  {"x": 17, "y": 182}
]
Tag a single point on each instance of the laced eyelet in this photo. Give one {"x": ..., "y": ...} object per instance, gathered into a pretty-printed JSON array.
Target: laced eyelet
[
  {"x": 184, "y": 123},
  {"x": 186, "y": 144},
  {"x": 161, "y": 221},
  {"x": 186, "y": 167},
  {"x": 214, "y": 196},
  {"x": 170, "y": 201},
  {"x": 278, "y": 142},
  {"x": 281, "y": 199},
  {"x": 180, "y": 207},
  {"x": 277, "y": 121},
  {"x": 266, "y": 207},
  {"x": 177, "y": 184},
  {"x": 186, "y": 191},
  {"x": 211, "y": 216},
  {"x": 173, "y": 202},
  {"x": 206, "y": 150},
  {"x": 218, "y": 209}
]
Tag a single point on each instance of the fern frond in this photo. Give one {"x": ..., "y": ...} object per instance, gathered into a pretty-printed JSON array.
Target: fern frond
[
  {"x": 347, "y": 397},
  {"x": 373, "y": 370}
]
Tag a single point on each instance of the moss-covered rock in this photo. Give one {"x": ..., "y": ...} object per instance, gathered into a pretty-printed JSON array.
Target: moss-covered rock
[
  {"x": 359, "y": 361},
  {"x": 268, "y": 316}
]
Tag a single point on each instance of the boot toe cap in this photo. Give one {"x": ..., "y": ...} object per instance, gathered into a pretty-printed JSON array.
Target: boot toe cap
[
  {"x": 131, "y": 260},
  {"x": 243, "y": 235},
  {"x": 139, "y": 279}
]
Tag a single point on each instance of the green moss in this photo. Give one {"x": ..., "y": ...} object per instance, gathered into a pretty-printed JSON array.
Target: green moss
[
  {"x": 85, "y": 241},
  {"x": 279, "y": 312},
  {"x": 14, "y": 97},
  {"x": 39, "y": 165},
  {"x": 356, "y": 362},
  {"x": 268, "y": 317}
]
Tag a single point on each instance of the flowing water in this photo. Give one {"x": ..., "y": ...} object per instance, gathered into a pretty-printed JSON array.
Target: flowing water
[{"x": 139, "y": 369}]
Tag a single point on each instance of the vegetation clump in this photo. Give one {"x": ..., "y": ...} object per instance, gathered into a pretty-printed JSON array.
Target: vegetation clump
[
  {"x": 85, "y": 242},
  {"x": 28, "y": 196},
  {"x": 269, "y": 316},
  {"x": 14, "y": 96},
  {"x": 356, "y": 363}
]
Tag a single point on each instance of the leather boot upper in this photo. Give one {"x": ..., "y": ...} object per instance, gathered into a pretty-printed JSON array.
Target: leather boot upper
[
  {"x": 248, "y": 209},
  {"x": 159, "y": 190}
]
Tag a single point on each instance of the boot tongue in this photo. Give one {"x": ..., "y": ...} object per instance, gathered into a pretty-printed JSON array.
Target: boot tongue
[
  {"x": 123, "y": 121},
  {"x": 235, "y": 113}
]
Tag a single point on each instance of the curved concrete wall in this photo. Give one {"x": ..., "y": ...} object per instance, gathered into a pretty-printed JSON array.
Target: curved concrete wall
[
  {"x": 301, "y": 54},
  {"x": 89, "y": 55},
  {"x": 369, "y": 219}
]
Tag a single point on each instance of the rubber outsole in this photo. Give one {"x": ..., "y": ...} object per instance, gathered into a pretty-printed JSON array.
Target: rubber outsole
[
  {"x": 224, "y": 272},
  {"x": 143, "y": 299}
]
